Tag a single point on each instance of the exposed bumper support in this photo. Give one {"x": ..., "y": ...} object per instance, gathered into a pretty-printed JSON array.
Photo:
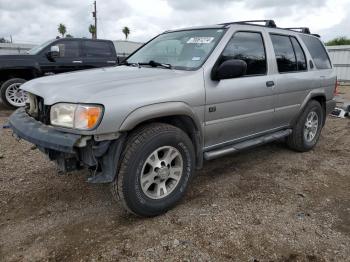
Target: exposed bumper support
[
  {"x": 108, "y": 162},
  {"x": 67, "y": 150}
]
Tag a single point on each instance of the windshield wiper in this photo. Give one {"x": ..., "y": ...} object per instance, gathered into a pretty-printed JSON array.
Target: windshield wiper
[
  {"x": 126, "y": 63},
  {"x": 156, "y": 64}
]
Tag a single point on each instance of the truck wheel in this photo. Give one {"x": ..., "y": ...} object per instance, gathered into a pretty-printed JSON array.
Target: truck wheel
[
  {"x": 11, "y": 95},
  {"x": 307, "y": 129},
  {"x": 156, "y": 167}
]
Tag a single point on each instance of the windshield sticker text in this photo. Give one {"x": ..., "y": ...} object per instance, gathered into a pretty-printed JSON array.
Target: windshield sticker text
[{"x": 200, "y": 40}]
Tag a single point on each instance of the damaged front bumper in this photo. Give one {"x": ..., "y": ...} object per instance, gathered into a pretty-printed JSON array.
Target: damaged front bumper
[{"x": 70, "y": 151}]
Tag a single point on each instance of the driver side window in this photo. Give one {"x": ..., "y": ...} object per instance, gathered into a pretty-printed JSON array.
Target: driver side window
[{"x": 249, "y": 47}]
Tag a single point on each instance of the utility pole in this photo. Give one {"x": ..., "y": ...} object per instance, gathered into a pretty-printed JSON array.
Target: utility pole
[{"x": 94, "y": 15}]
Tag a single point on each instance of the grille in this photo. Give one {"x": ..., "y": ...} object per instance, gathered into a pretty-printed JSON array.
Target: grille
[{"x": 36, "y": 108}]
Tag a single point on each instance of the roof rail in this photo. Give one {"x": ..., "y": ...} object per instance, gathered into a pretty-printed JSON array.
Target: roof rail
[
  {"x": 268, "y": 23},
  {"x": 304, "y": 30}
]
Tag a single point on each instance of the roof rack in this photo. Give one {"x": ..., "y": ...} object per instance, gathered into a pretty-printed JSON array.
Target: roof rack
[
  {"x": 272, "y": 24},
  {"x": 268, "y": 23},
  {"x": 304, "y": 30}
]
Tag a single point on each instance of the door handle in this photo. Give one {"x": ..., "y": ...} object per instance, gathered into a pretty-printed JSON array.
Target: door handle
[
  {"x": 111, "y": 62},
  {"x": 77, "y": 62},
  {"x": 270, "y": 84}
]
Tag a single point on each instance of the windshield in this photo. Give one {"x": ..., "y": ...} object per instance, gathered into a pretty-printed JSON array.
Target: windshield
[
  {"x": 181, "y": 50},
  {"x": 35, "y": 50}
]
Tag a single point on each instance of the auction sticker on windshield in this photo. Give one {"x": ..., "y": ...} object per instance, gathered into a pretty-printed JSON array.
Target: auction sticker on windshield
[{"x": 200, "y": 40}]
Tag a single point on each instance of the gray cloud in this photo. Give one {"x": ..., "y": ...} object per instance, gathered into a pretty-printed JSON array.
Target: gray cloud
[
  {"x": 340, "y": 29},
  {"x": 278, "y": 3},
  {"x": 190, "y": 5},
  {"x": 35, "y": 21}
]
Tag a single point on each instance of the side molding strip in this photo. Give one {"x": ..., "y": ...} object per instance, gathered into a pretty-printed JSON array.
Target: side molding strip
[{"x": 246, "y": 144}]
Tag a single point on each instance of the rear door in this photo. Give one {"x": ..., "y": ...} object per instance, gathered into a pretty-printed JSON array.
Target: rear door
[
  {"x": 98, "y": 54},
  {"x": 293, "y": 78},
  {"x": 241, "y": 107}
]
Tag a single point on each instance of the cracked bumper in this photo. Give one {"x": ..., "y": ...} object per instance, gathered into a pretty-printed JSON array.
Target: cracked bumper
[{"x": 33, "y": 131}]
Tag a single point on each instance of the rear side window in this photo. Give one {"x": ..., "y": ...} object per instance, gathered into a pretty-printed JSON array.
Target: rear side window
[
  {"x": 317, "y": 52},
  {"x": 247, "y": 46},
  {"x": 97, "y": 49},
  {"x": 300, "y": 55},
  {"x": 69, "y": 48},
  {"x": 284, "y": 52}
]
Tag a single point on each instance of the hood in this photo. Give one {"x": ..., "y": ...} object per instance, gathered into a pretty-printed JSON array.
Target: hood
[
  {"x": 17, "y": 61},
  {"x": 15, "y": 57},
  {"x": 93, "y": 86}
]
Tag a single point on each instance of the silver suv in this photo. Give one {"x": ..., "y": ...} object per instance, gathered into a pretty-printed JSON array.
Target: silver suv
[{"x": 185, "y": 96}]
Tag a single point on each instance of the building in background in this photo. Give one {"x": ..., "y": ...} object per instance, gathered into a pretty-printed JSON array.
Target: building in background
[
  {"x": 125, "y": 48},
  {"x": 340, "y": 57},
  {"x": 15, "y": 49}
]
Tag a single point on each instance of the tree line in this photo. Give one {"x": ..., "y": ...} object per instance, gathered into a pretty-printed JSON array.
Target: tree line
[
  {"x": 339, "y": 41},
  {"x": 62, "y": 30}
]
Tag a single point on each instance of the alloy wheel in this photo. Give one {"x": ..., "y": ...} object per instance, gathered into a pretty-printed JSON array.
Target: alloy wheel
[
  {"x": 161, "y": 172},
  {"x": 15, "y": 96}
]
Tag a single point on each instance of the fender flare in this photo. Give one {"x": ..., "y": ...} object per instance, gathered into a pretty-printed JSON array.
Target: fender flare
[
  {"x": 167, "y": 109},
  {"x": 22, "y": 65},
  {"x": 312, "y": 94},
  {"x": 152, "y": 111}
]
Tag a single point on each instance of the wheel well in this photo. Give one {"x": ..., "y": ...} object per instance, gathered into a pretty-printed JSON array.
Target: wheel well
[
  {"x": 20, "y": 73},
  {"x": 322, "y": 101},
  {"x": 186, "y": 124}
]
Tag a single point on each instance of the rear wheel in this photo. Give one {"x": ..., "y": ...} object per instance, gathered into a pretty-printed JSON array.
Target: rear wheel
[
  {"x": 11, "y": 94},
  {"x": 156, "y": 167},
  {"x": 307, "y": 129}
]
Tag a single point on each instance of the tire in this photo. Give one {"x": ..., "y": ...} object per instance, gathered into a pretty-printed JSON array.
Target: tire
[
  {"x": 12, "y": 85},
  {"x": 299, "y": 140},
  {"x": 140, "y": 175}
]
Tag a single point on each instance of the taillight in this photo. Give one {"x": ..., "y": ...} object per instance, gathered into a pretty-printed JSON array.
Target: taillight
[{"x": 336, "y": 87}]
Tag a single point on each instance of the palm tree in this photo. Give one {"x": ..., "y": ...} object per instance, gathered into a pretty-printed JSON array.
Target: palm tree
[
  {"x": 92, "y": 30},
  {"x": 62, "y": 29},
  {"x": 126, "y": 31}
]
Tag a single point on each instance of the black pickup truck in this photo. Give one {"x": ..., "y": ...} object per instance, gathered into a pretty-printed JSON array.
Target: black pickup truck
[{"x": 52, "y": 57}]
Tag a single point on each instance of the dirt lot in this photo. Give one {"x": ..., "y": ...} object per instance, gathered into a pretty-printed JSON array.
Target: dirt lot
[{"x": 266, "y": 204}]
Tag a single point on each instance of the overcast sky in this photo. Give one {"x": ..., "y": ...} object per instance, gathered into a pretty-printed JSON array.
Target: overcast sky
[{"x": 35, "y": 21}]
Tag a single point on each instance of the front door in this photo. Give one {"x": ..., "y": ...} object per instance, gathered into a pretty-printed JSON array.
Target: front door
[
  {"x": 240, "y": 108},
  {"x": 70, "y": 58}
]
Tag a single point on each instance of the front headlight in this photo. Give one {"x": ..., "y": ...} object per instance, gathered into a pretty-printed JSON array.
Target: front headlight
[{"x": 83, "y": 117}]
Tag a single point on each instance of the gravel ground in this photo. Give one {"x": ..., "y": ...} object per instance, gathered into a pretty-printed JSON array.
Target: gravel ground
[{"x": 266, "y": 204}]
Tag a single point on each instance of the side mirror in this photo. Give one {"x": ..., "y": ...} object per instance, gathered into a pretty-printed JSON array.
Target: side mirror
[
  {"x": 54, "y": 52},
  {"x": 231, "y": 68}
]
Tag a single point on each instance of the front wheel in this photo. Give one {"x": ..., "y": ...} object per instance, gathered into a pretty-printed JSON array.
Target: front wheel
[
  {"x": 156, "y": 167},
  {"x": 307, "y": 129},
  {"x": 11, "y": 94}
]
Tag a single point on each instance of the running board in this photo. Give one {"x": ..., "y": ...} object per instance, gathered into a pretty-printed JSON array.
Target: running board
[{"x": 246, "y": 144}]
